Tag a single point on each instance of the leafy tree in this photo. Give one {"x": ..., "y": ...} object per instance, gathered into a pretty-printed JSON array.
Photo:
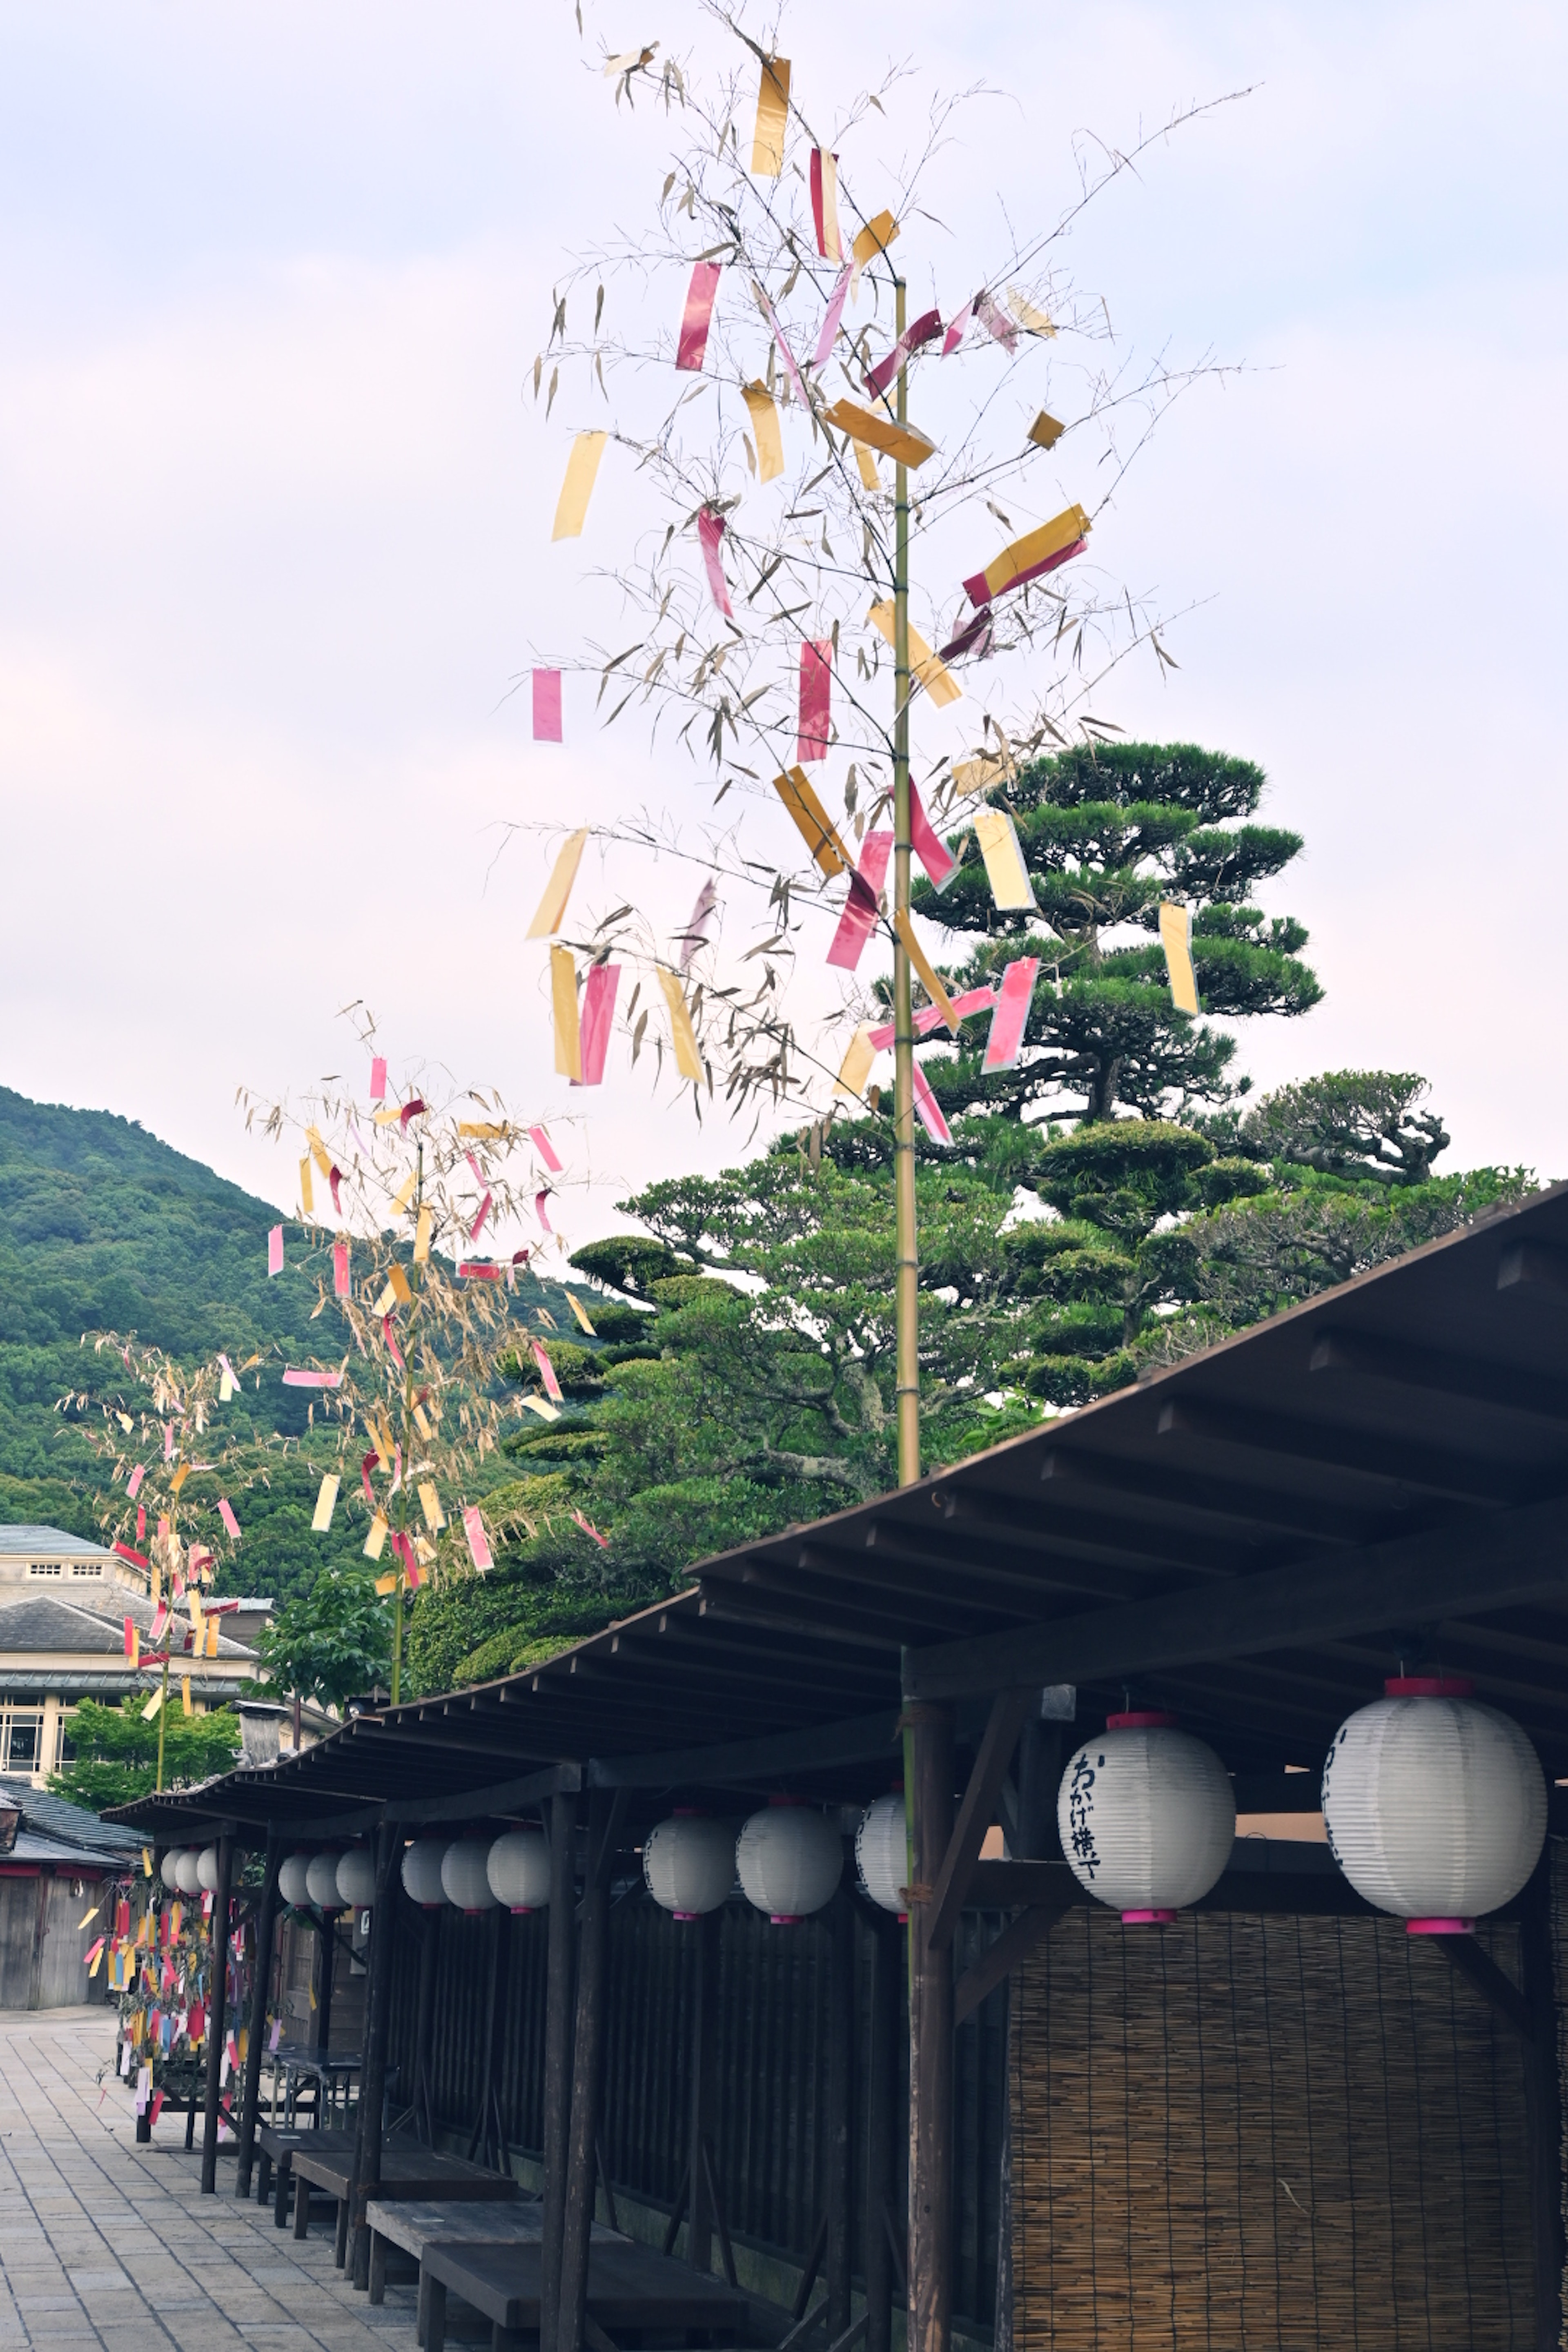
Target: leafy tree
[
  {"x": 1108, "y": 832},
  {"x": 1355, "y": 1123},
  {"x": 331, "y": 1644},
  {"x": 115, "y": 1753}
]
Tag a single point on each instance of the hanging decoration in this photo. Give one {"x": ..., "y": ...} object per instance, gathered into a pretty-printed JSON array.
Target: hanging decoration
[
  {"x": 882, "y": 1853},
  {"x": 291, "y": 1879},
  {"x": 321, "y": 1882},
  {"x": 356, "y": 1879},
  {"x": 421, "y": 1873},
  {"x": 464, "y": 1877},
  {"x": 1147, "y": 1817},
  {"x": 1435, "y": 1805},
  {"x": 790, "y": 1858},
  {"x": 688, "y": 1865},
  {"x": 517, "y": 1869}
]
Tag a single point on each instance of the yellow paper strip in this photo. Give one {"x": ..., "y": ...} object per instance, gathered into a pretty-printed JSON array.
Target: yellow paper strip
[
  {"x": 983, "y": 774},
  {"x": 762, "y": 409},
  {"x": 307, "y": 1191},
  {"x": 146, "y": 1873},
  {"x": 1033, "y": 321},
  {"x": 552, "y": 905},
  {"x": 387, "y": 1301},
  {"x": 422, "y": 1237},
  {"x": 856, "y": 1064},
  {"x": 1046, "y": 432},
  {"x": 179, "y": 1478},
  {"x": 213, "y": 1627},
  {"x": 381, "y": 1437},
  {"x": 582, "y": 469},
  {"x": 326, "y": 1503},
  {"x": 542, "y": 1407},
  {"x": 581, "y": 1312},
  {"x": 397, "y": 1282},
  {"x": 688, "y": 1060},
  {"x": 874, "y": 238},
  {"x": 1004, "y": 868},
  {"x": 931, "y": 671},
  {"x": 1025, "y": 553},
  {"x": 926, "y": 969},
  {"x": 902, "y": 442},
  {"x": 869, "y": 477},
  {"x": 319, "y": 1152},
  {"x": 385, "y": 1584},
  {"x": 88, "y": 1918},
  {"x": 486, "y": 1129},
  {"x": 186, "y": 1695},
  {"x": 816, "y": 831},
  {"x": 154, "y": 1704},
  {"x": 404, "y": 1193},
  {"x": 430, "y": 1503},
  {"x": 390, "y": 1117},
  {"x": 563, "y": 1005},
  {"x": 773, "y": 119},
  {"x": 831, "y": 237},
  {"x": 1175, "y": 936},
  {"x": 375, "y": 1543}
]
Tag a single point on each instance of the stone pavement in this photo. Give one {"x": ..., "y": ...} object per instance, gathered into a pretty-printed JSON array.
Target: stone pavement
[{"x": 106, "y": 2243}]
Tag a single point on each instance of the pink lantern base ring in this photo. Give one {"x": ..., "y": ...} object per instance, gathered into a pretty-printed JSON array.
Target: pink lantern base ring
[
  {"x": 1148, "y": 1918},
  {"x": 1439, "y": 1926}
]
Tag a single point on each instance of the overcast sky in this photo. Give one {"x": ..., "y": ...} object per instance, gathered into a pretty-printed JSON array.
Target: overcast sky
[{"x": 276, "y": 515}]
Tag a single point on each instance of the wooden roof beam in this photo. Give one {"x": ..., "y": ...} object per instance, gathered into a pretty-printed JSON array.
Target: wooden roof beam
[
  {"x": 1388, "y": 1461},
  {"x": 1462, "y": 1377}
]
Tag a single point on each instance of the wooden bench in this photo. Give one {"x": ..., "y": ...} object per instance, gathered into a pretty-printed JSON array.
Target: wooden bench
[
  {"x": 409, "y": 2172},
  {"x": 276, "y": 2144},
  {"x": 411, "y": 2227},
  {"x": 630, "y": 2289}
]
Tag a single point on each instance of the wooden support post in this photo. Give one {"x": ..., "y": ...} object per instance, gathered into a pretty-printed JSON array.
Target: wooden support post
[
  {"x": 837, "y": 2119},
  {"x": 373, "y": 2073},
  {"x": 587, "y": 2068},
  {"x": 929, "y": 1783},
  {"x": 1542, "y": 2105},
  {"x": 260, "y": 1983},
  {"x": 704, "y": 1935},
  {"x": 218, "y": 1988},
  {"x": 557, "y": 2058},
  {"x": 1039, "y": 1778},
  {"x": 479, "y": 2137},
  {"x": 423, "y": 2020},
  {"x": 886, "y": 1945},
  {"x": 326, "y": 1970}
]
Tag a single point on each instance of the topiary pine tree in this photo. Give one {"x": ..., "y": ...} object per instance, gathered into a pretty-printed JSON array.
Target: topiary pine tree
[{"x": 1108, "y": 832}]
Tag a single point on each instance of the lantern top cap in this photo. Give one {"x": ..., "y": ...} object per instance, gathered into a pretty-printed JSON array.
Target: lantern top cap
[
  {"x": 1428, "y": 1687},
  {"x": 1142, "y": 1719}
]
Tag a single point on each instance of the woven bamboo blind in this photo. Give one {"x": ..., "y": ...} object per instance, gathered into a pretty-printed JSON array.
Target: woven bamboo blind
[{"x": 1244, "y": 2131}]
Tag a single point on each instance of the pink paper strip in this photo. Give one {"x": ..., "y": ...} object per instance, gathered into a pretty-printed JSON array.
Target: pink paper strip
[
  {"x": 957, "y": 330},
  {"x": 695, "y": 936},
  {"x": 365, "y": 1467},
  {"x": 478, "y": 1545},
  {"x": 996, "y": 321},
  {"x": 546, "y": 708},
  {"x": 816, "y": 699},
  {"x": 168, "y": 1441},
  {"x": 228, "y": 1367},
  {"x": 341, "y": 1286},
  {"x": 784, "y": 351},
  {"x": 294, "y": 1379},
  {"x": 479, "y": 1270},
  {"x": 599, "y": 1018},
  {"x": 1006, "y": 1041},
  {"x": 925, "y": 328},
  {"x": 546, "y": 1150},
  {"x": 974, "y": 638},
  {"x": 478, "y": 1172},
  {"x": 929, "y": 847},
  {"x": 393, "y": 1349},
  {"x": 134, "y": 1484},
  {"x": 275, "y": 1251},
  {"x": 225, "y": 1512},
  {"x": 927, "y": 1110},
  {"x": 859, "y": 920},
  {"x": 413, "y": 1109},
  {"x": 980, "y": 595},
  {"x": 335, "y": 1178},
  {"x": 929, "y": 1017},
  {"x": 547, "y": 1373},
  {"x": 832, "y": 318},
  {"x": 697, "y": 317},
  {"x": 478, "y": 1221},
  {"x": 539, "y": 1201},
  {"x": 588, "y": 1528},
  {"x": 378, "y": 1080},
  {"x": 710, "y": 530}
]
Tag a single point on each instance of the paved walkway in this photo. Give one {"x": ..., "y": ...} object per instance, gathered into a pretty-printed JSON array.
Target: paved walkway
[{"x": 103, "y": 2242}]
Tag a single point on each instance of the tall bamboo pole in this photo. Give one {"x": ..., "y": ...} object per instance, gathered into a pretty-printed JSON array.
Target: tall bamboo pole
[
  {"x": 907, "y": 1292},
  {"x": 408, "y": 1434}
]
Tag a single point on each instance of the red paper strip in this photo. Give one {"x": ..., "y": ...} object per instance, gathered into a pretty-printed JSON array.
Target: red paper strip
[
  {"x": 924, "y": 329},
  {"x": 378, "y": 1080},
  {"x": 295, "y": 1378},
  {"x": 547, "y": 1372},
  {"x": 479, "y": 1270},
  {"x": 929, "y": 847},
  {"x": 710, "y": 530},
  {"x": 275, "y": 1251},
  {"x": 547, "y": 706},
  {"x": 927, "y": 1110},
  {"x": 225, "y": 1512},
  {"x": 859, "y": 919},
  {"x": 1006, "y": 1041},
  {"x": 158, "y": 2099},
  {"x": 410, "y": 1110},
  {"x": 335, "y": 1178},
  {"x": 832, "y": 318},
  {"x": 365, "y": 1467},
  {"x": 697, "y": 316},
  {"x": 542, "y": 1145},
  {"x": 141, "y": 1522},
  {"x": 134, "y": 1484},
  {"x": 478, "y": 1544},
  {"x": 393, "y": 1348},
  {"x": 342, "y": 1286},
  {"x": 979, "y": 594},
  {"x": 974, "y": 638},
  {"x": 929, "y": 1016},
  {"x": 135, "y": 1558},
  {"x": 588, "y": 1528},
  {"x": 597, "y": 1019},
  {"x": 816, "y": 699},
  {"x": 478, "y": 1221}
]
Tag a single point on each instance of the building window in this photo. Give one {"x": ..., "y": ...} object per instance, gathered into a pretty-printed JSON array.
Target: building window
[
  {"x": 65, "y": 1746},
  {"x": 21, "y": 1739},
  {"x": 44, "y": 1568},
  {"x": 86, "y": 1568}
]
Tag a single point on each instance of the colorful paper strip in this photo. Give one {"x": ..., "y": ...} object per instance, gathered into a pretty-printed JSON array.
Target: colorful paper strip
[
  {"x": 551, "y": 908},
  {"x": 1027, "y": 557},
  {"x": 478, "y": 1544},
  {"x": 378, "y": 1080},
  {"x": 926, "y": 969},
  {"x": 577, "y": 489},
  {"x": 710, "y": 531},
  {"x": 773, "y": 119},
  {"x": 794, "y": 374},
  {"x": 924, "y": 329},
  {"x": 293, "y": 1379},
  {"x": 540, "y": 1142},
  {"x": 825, "y": 204},
  {"x": 904, "y": 443},
  {"x": 816, "y": 699},
  {"x": 275, "y": 1251},
  {"x": 1175, "y": 937},
  {"x": 1046, "y": 432},
  {"x": 940, "y": 863},
  {"x": 927, "y": 1110},
  {"x": 326, "y": 1503},
  {"x": 859, "y": 920},
  {"x": 762, "y": 409},
  {"x": 342, "y": 1286},
  {"x": 546, "y": 1373},
  {"x": 563, "y": 1007},
  {"x": 1005, "y": 870},
  {"x": 599, "y": 1018},
  {"x": 688, "y": 1059},
  {"x": 856, "y": 1067},
  {"x": 831, "y": 321},
  {"x": 928, "y": 667},
  {"x": 874, "y": 238},
  {"x": 547, "y": 706},
  {"x": 930, "y": 1016},
  {"x": 1006, "y": 1041},
  {"x": 225, "y": 1512},
  {"x": 799, "y": 797},
  {"x": 697, "y": 317},
  {"x": 695, "y": 935}
]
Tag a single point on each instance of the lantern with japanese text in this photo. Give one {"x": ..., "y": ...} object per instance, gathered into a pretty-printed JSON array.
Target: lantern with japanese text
[{"x": 1147, "y": 1817}]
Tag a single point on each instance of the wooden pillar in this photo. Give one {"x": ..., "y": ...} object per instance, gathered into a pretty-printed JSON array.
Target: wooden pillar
[
  {"x": 929, "y": 1783},
  {"x": 587, "y": 2070},
  {"x": 377, "y": 2024},
  {"x": 1543, "y": 2110},
  {"x": 704, "y": 2107},
  {"x": 218, "y": 1988},
  {"x": 838, "y": 2108},
  {"x": 260, "y": 1980},
  {"x": 557, "y": 2057},
  {"x": 326, "y": 1968},
  {"x": 1039, "y": 1777},
  {"x": 886, "y": 1956}
]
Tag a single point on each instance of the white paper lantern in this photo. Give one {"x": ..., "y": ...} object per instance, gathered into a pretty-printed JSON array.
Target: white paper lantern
[
  {"x": 1147, "y": 1817},
  {"x": 790, "y": 1859},
  {"x": 882, "y": 1853},
  {"x": 291, "y": 1877},
  {"x": 356, "y": 1878},
  {"x": 517, "y": 1869},
  {"x": 688, "y": 1865},
  {"x": 464, "y": 1879},
  {"x": 322, "y": 1881},
  {"x": 186, "y": 1870},
  {"x": 206, "y": 1870},
  {"x": 169, "y": 1868},
  {"x": 422, "y": 1873},
  {"x": 1435, "y": 1805}
]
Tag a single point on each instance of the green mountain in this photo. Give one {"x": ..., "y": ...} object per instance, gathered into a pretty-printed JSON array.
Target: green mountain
[{"x": 102, "y": 1227}]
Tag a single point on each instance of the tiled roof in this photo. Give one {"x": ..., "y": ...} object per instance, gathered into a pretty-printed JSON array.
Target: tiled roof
[
  {"x": 53, "y": 1820},
  {"x": 30, "y": 1542}
]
